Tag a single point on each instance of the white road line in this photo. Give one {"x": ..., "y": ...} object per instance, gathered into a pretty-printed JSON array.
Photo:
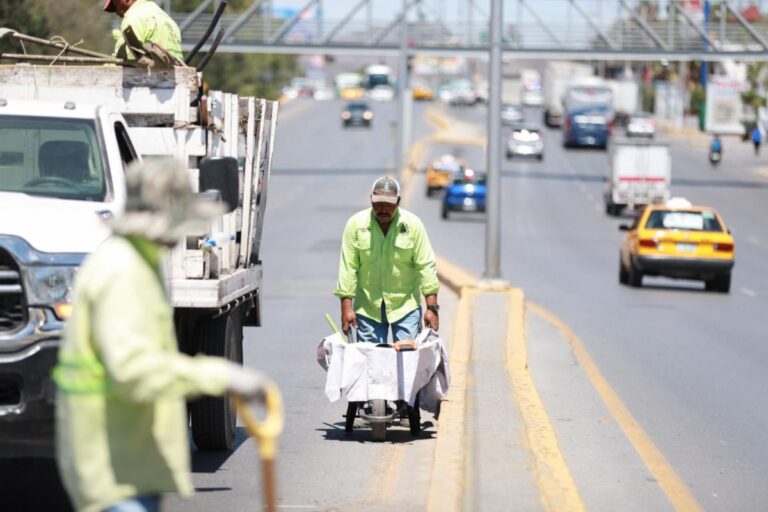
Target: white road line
[{"x": 748, "y": 292}]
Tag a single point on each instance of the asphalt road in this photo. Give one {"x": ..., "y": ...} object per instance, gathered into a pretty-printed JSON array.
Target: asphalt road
[{"x": 689, "y": 365}]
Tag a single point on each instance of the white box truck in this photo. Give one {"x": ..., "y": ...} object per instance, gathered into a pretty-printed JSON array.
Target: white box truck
[
  {"x": 640, "y": 174},
  {"x": 67, "y": 134}
]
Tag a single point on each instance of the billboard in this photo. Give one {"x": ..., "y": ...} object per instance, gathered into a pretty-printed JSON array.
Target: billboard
[{"x": 724, "y": 108}]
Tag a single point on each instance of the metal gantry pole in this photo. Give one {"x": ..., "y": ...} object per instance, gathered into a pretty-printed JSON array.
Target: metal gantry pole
[
  {"x": 402, "y": 91},
  {"x": 493, "y": 149}
]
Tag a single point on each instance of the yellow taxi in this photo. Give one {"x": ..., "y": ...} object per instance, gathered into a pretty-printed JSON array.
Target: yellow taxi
[
  {"x": 440, "y": 173},
  {"x": 423, "y": 92},
  {"x": 680, "y": 241},
  {"x": 351, "y": 93}
]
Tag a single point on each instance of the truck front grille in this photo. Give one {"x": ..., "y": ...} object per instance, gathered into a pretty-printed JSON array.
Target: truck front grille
[
  {"x": 13, "y": 313},
  {"x": 10, "y": 392}
]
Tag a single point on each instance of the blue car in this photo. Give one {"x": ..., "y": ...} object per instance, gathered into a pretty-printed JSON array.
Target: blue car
[
  {"x": 465, "y": 194},
  {"x": 587, "y": 126}
]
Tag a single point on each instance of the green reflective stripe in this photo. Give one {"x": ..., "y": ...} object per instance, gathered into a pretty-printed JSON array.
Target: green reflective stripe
[{"x": 80, "y": 375}]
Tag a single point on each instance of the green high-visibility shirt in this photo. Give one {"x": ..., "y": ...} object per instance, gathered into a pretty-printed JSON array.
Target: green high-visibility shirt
[
  {"x": 150, "y": 23},
  {"x": 121, "y": 417},
  {"x": 394, "y": 268}
]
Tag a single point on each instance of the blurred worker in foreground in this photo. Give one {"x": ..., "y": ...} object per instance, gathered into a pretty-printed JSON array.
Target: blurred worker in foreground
[
  {"x": 149, "y": 23},
  {"x": 121, "y": 417},
  {"x": 386, "y": 264}
]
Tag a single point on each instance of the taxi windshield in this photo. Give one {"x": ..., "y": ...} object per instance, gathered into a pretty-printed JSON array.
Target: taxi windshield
[
  {"x": 58, "y": 158},
  {"x": 704, "y": 220}
]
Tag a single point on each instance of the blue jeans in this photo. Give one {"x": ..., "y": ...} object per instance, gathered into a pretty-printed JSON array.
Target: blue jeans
[
  {"x": 140, "y": 504},
  {"x": 377, "y": 332}
]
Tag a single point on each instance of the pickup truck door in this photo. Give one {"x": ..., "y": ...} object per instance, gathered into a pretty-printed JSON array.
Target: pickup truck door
[{"x": 120, "y": 153}]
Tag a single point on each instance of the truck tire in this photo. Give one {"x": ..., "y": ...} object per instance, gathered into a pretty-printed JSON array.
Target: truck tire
[{"x": 214, "y": 418}]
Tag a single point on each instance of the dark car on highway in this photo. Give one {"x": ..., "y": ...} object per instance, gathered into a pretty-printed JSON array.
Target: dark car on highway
[
  {"x": 465, "y": 194},
  {"x": 357, "y": 113}
]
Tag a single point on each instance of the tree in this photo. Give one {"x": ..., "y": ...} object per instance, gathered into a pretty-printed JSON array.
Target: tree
[
  {"x": 247, "y": 74},
  {"x": 77, "y": 21},
  {"x": 22, "y": 17}
]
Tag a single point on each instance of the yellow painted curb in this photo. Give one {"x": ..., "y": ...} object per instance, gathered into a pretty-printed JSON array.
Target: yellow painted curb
[
  {"x": 557, "y": 490},
  {"x": 674, "y": 488},
  {"x": 457, "y": 140},
  {"x": 453, "y": 276},
  {"x": 447, "y": 481}
]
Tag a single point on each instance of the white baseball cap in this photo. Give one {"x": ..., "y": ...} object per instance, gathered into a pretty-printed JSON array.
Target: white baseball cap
[{"x": 385, "y": 190}]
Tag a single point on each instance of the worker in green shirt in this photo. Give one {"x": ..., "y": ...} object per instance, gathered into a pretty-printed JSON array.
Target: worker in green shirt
[
  {"x": 386, "y": 265},
  {"x": 121, "y": 416},
  {"x": 149, "y": 23}
]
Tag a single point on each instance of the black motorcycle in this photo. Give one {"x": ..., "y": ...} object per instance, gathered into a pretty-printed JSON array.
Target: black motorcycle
[{"x": 715, "y": 157}]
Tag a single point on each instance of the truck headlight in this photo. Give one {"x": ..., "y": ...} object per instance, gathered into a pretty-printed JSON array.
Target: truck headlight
[{"x": 50, "y": 287}]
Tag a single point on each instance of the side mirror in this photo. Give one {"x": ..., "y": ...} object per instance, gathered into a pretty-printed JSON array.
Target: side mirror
[
  {"x": 221, "y": 173},
  {"x": 624, "y": 227}
]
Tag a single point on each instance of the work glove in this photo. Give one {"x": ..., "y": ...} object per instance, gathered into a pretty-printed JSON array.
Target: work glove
[{"x": 248, "y": 384}]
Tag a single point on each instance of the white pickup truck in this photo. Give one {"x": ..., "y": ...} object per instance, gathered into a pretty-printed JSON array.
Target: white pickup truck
[
  {"x": 67, "y": 134},
  {"x": 640, "y": 174}
]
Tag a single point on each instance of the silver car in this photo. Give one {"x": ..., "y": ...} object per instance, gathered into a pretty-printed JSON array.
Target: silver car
[
  {"x": 511, "y": 114},
  {"x": 525, "y": 141},
  {"x": 641, "y": 125}
]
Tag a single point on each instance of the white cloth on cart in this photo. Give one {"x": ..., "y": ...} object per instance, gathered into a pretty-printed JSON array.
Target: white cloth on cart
[{"x": 362, "y": 371}]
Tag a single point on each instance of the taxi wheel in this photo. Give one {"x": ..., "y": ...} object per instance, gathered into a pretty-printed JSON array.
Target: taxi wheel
[
  {"x": 720, "y": 284},
  {"x": 635, "y": 276},
  {"x": 623, "y": 274}
]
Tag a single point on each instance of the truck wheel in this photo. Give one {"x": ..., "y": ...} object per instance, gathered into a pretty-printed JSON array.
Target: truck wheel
[
  {"x": 379, "y": 430},
  {"x": 214, "y": 418}
]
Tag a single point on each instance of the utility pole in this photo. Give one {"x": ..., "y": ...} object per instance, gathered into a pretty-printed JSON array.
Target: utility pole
[
  {"x": 493, "y": 155},
  {"x": 403, "y": 92}
]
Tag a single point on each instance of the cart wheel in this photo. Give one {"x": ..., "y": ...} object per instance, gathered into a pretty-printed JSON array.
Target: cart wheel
[
  {"x": 379, "y": 429},
  {"x": 351, "y": 413},
  {"x": 414, "y": 418}
]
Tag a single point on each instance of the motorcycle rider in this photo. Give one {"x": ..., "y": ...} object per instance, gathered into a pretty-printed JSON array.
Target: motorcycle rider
[{"x": 715, "y": 149}]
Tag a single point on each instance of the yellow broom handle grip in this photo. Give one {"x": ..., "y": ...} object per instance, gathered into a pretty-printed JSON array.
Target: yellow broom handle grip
[{"x": 268, "y": 430}]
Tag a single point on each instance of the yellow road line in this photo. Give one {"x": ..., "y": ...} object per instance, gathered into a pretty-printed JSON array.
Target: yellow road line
[
  {"x": 447, "y": 481},
  {"x": 290, "y": 109},
  {"x": 670, "y": 482},
  {"x": 385, "y": 479},
  {"x": 557, "y": 490}
]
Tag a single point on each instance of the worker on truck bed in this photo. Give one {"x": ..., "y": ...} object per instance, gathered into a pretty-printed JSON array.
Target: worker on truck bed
[
  {"x": 121, "y": 416},
  {"x": 149, "y": 23},
  {"x": 386, "y": 264}
]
